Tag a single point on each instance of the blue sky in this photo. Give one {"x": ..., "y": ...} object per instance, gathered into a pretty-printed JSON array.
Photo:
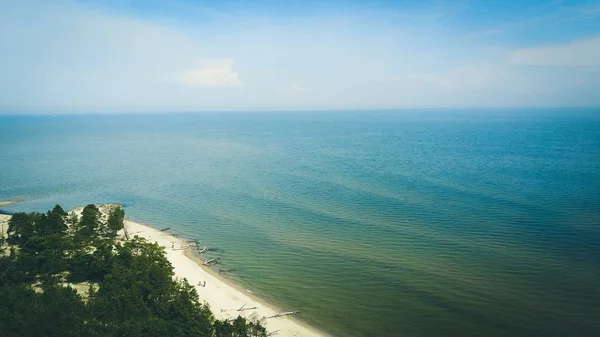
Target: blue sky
[{"x": 185, "y": 55}]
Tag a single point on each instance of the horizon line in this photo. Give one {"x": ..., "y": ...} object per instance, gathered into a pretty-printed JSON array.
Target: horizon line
[{"x": 285, "y": 111}]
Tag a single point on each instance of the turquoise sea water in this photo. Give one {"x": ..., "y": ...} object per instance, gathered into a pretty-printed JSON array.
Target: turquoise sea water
[{"x": 396, "y": 223}]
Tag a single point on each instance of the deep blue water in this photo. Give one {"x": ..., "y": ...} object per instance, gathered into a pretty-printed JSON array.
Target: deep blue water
[{"x": 388, "y": 223}]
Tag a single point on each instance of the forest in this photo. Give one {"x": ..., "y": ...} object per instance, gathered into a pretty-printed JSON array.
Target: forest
[{"x": 68, "y": 274}]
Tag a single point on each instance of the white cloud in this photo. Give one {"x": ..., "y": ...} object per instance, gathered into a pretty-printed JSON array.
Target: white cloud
[
  {"x": 295, "y": 87},
  {"x": 473, "y": 76},
  {"x": 211, "y": 73},
  {"x": 581, "y": 53}
]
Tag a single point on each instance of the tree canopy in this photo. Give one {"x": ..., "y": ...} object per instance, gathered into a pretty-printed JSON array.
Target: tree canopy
[{"x": 131, "y": 286}]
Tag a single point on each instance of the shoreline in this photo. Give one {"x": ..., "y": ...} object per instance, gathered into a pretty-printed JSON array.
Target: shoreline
[
  {"x": 189, "y": 253},
  {"x": 224, "y": 297}
]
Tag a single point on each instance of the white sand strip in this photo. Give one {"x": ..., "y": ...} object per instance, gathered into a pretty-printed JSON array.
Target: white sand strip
[
  {"x": 223, "y": 298},
  {"x": 4, "y": 224}
]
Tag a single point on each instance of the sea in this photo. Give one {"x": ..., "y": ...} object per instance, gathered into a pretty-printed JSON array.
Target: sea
[{"x": 462, "y": 222}]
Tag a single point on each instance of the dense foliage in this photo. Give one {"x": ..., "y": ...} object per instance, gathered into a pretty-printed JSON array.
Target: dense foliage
[{"x": 130, "y": 286}]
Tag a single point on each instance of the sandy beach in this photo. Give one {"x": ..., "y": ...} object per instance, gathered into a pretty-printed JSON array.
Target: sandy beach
[
  {"x": 4, "y": 217},
  {"x": 224, "y": 299},
  {"x": 4, "y": 224}
]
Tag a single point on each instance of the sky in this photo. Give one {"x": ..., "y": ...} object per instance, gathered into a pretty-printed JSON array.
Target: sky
[{"x": 191, "y": 55}]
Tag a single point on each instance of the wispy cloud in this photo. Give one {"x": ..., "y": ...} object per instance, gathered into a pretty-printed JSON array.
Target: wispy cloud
[
  {"x": 579, "y": 13},
  {"x": 581, "y": 53},
  {"x": 508, "y": 69},
  {"x": 444, "y": 8},
  {"x": 76, "y": 55},
  {"x": 295, "y": 87},
  {"x": 556, "y": 75},
  {"x": 473, "y": 76},
  {"x": 211, "y": 73},
  {"x": 544, "y": 21}
]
